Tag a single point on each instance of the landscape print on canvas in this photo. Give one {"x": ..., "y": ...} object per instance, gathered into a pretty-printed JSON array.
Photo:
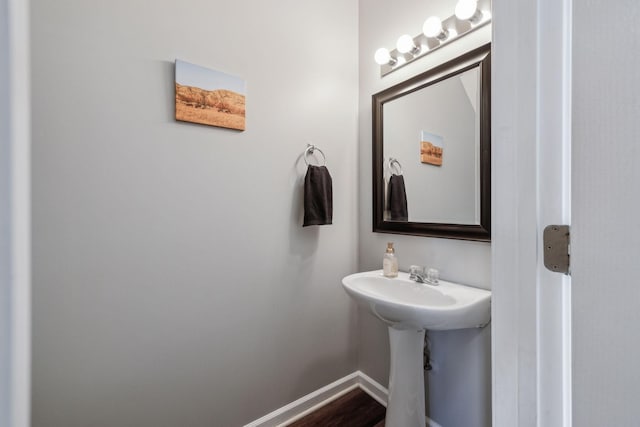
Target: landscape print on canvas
[
  {"x": 209, "y": 97},
  {"x": 431, "y": 148}
]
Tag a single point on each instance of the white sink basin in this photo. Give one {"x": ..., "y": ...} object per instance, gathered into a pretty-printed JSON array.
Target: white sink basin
[
  {"x": 405, "y": 304},
  {"x": 408, "y": 308}
]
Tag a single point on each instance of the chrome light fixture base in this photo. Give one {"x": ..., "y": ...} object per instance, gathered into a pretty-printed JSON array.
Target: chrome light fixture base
[{"x": 453, "y": 28}]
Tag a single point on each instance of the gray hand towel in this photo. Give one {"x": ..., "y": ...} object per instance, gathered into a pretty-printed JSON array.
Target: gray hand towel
[
  {"x": 318, "y": 196},
  {"x": 397, "y": 199}
]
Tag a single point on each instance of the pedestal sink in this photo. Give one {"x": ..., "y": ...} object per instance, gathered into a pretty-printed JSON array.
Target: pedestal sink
[{"x": 408, "y": 308}]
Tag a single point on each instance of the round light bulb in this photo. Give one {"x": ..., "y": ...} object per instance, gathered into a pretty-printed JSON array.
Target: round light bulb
[
  {"x": 465, "y": 9},
  {"x": 432, "y": 27},
  {"x": 382, "y": 56},
  {"x": 405, "y": 44}
]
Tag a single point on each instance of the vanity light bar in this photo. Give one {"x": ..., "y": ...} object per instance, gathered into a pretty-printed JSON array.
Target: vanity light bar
[{"x": 469, "y": 16}]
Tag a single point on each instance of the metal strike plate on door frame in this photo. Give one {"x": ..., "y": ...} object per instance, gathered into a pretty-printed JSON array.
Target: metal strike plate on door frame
[{"x": 556, "y": 240}]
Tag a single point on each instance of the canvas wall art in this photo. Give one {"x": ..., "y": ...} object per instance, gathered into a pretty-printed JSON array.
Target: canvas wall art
[
  {"x": 431, "y": 146},
  {"x": 209, "y": 97}
]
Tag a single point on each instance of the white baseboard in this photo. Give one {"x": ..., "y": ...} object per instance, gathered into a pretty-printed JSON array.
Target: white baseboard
[
  {"x": 317, "y": 399},
  {"x": 373, "y": 388}
]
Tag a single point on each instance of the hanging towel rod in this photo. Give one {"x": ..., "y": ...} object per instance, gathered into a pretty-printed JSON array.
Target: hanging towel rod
[
  {"x": 394, "y": 162},
  {"x": 310, "y": 150}
]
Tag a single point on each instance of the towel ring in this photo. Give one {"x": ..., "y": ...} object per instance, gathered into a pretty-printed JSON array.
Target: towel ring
[
  {"x": 310, "y": 150},
  {"x": 394, "y": 162}
]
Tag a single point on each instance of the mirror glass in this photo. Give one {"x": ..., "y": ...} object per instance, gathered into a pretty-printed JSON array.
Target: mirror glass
[
  {"x": 434, "y": 136},
  {"x": 432, "y": 152}
]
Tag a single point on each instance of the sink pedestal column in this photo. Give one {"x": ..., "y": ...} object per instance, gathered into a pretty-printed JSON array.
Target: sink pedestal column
[{"x": 406, "y": 379}]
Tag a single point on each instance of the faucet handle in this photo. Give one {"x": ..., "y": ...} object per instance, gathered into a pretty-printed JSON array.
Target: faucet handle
[
  {"x": 416, "y": 271},
  {"x": 433, "y": 275}
]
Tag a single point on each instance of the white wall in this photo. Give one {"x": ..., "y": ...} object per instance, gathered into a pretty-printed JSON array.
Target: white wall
[
  {"x": 174, "y": 284},
  {"x": 461, "y": 358}
]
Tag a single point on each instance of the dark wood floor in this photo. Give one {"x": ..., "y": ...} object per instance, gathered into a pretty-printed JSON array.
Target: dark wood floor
[{"x": 354, "y": 409}]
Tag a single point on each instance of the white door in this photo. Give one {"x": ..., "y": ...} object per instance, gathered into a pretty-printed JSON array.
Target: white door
[
  {"x": 531, "y": 119},
  {"x": 566, "y": 353},
  {"x": 606, "y": 207}
]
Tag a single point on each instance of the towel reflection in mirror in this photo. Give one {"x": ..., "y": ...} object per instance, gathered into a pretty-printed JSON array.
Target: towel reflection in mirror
[{"x": 396, "y": 193}]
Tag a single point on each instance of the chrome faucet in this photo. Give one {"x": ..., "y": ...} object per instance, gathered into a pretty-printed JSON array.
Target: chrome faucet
[
  {"x": 417, "y": 274},
  {"x": 418, "y": 277}
]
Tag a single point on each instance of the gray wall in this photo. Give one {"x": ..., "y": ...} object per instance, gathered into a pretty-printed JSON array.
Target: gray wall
[
  {"x": 174, "y": 284},
  {"x": 461, "y": 358}
]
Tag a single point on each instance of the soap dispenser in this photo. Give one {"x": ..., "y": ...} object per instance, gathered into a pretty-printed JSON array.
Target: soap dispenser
[{"x": 390, "y": 262}]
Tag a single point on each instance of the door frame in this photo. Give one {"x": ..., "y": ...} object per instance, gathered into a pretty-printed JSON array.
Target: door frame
[
  {"x": 531, "y": 123},
  {"x": 15, "y": 218}
]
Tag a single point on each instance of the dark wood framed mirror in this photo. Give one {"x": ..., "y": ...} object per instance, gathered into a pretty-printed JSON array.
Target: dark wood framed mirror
[{"x": 434, "y": 131}]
